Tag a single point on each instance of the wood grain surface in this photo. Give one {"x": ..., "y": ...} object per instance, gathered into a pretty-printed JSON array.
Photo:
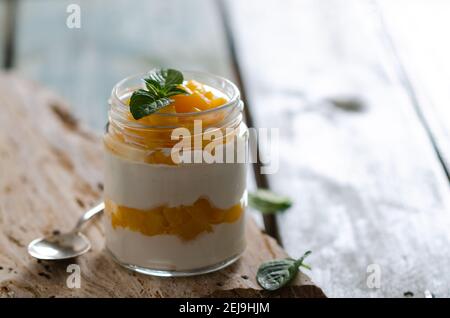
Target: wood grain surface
[
  {"x": 367, "y": 184},
  {"x": 51, "y": 171}
]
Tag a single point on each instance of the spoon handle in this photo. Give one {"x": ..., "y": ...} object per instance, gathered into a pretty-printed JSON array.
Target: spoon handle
[{"x": 89, "y": 215}]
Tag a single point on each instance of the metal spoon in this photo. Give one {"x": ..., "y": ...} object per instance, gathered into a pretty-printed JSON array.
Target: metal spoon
[{"x": 66, "y": 245}]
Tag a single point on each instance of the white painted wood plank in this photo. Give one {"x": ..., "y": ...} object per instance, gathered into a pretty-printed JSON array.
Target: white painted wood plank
[
  {"x": 419, "y": 30},
  {"x": 367, "y": 185}
]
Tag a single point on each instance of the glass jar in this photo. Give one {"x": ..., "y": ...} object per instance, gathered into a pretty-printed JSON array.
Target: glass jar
[{"x": 175, "y": 194}]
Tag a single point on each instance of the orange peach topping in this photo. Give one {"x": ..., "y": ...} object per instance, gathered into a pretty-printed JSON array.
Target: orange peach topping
[
  {"x": 154, "y": 138},
  {"x": 198, "y": 99}
]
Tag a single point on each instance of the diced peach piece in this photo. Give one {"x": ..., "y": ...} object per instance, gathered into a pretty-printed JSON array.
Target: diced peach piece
[
  {"x": 193, "y": 85},
  {"x": 190, "y": 103},
  {"x": 219, "y": 101},
  {"x": 233, "y": 214},
  {"x": 209, "y": 95}
]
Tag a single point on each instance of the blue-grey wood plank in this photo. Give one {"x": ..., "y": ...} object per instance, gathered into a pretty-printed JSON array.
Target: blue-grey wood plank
[
  {"x": 116, "y": 39},
  {"x": 3, "y": 28}
]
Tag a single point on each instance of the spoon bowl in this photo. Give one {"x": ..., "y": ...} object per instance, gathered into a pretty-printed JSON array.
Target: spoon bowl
[
  {"x": 57, "y": 247},
  {"x": 66, "y": 245}
]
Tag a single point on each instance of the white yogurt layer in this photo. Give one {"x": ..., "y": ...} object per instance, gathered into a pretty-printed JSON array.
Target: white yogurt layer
[
  {"x": 169, "y": 252},
  {"x": 145, "y": 186}
]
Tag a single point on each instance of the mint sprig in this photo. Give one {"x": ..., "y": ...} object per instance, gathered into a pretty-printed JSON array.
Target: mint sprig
[
  {"x": 268, "y": 202},
  {"x": 160, "y": 85},
  {"x": 273, "y": 275}
]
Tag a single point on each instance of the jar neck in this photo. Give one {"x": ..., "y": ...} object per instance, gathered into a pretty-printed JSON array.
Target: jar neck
[{"x": 157, "y": 134}]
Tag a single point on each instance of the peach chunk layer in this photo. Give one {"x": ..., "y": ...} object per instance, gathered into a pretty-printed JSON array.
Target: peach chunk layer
[
  {"x": 186, "y": 222},
  {"x": 199, "y": 99}
]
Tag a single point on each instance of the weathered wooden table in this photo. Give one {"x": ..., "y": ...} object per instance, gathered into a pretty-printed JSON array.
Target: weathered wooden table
[{"x": 358, "y": 89}]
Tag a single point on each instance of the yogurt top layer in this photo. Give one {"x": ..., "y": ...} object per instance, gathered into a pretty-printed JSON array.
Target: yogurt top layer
[{"x": 146, "y": 186}]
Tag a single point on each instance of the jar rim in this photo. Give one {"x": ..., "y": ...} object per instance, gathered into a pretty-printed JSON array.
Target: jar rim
[{"x": 233, "y": 100}]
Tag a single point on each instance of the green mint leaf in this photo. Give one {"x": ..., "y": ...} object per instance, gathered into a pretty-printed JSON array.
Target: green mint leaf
[
  {"x": 268, "y": 202},
  {"x": 141, "y": 97},
  {"x": 300, "y": 263},
  {"x": 176, "y": 91},
  {"x": 167, "y": 77},
  {"x": 153, "y": 87},
  {"x": 141, "y": 110},
  {"x": 161, "y": 84},
  {"x": 174, "y": 77},
  {"x": 273, "y": 275}
]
